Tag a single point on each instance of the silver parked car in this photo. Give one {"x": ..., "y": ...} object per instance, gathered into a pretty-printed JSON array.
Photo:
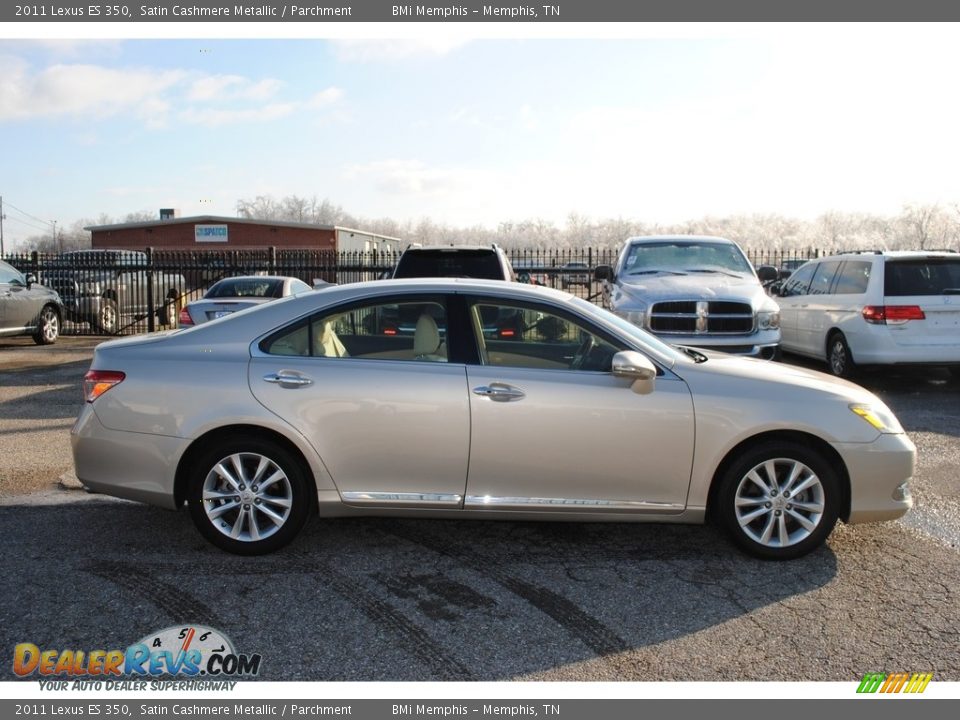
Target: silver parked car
[
  {"x": 27, "y": 308},
  {"x": 229, "y": 295},
  {"x": 314, "y": 402}
]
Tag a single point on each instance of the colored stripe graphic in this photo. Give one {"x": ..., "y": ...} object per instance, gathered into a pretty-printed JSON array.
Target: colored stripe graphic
[{"x": 895, "y": 683}]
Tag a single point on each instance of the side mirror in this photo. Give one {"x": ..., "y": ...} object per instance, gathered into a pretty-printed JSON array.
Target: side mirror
[
  {"x": 634, "y": 366},
  {"x": 603, "y": 272},
  {"x": 31, "y": 280},
  {"x": 767, "y": 273}
]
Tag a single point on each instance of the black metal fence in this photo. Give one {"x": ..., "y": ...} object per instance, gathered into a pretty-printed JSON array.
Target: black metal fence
[{"x": 118, "y": 292}]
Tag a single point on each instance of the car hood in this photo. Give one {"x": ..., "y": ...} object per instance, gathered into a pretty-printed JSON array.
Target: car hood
[
  {"x": 734, "y": 390},
  {"x": 698, "y": 286},
  {"x": 775, "y": 380}
]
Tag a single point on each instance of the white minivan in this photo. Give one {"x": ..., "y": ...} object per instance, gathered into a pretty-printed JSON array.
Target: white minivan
[{"x": 874, "y": 308}]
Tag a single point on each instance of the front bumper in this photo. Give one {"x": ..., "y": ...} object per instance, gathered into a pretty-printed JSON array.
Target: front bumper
[
  {"x": 879, "y": 475},
  {"x": 134, "y": 466}
]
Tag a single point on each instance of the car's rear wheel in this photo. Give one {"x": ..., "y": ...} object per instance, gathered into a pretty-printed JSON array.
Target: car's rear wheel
[
  {"x": 779, "y": 500},
  {"x": 48, "y": 327},
  {"x": 839, "y": 358},
  {"x": 248, "y": 496}
]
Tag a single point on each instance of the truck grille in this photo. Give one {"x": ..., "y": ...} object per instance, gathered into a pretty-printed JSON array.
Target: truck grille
[{"x": 701, "y": 317}]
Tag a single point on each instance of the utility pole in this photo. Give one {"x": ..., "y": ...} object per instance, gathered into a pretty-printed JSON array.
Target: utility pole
[
  {"x": 55, "y": 245},
  {"x": 2, "y": 216}
]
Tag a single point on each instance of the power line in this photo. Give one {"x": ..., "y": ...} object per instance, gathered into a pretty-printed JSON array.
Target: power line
[
  {"x": 29, "y": 224},
  {"x": 24, "y": 212}
]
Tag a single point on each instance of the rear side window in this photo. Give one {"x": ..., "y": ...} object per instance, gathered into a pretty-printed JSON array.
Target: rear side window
[
  {"x": 853, "y": 279},
  {"x": 923, "y": 276},
  {"x": 483, "y": 264}
]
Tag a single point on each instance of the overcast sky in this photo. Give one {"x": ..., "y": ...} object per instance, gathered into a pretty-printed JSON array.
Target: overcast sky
[{"x": 484, "y": 130}]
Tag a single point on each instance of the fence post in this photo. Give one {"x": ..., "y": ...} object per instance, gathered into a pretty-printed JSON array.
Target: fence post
[
  {"x": 272, "y": 259},
  {"x": 151, "y": 311}
]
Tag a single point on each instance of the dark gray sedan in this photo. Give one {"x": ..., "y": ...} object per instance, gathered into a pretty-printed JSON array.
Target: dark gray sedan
[
  {"x": 27, "y": 308},
  {"x": 238, "y": 293}
]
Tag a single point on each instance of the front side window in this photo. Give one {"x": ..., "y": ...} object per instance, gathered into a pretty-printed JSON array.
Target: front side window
[
  {"x": 9, "y": 275},
  {"x": 535, "y": 337},
  {"x": 407, "y": 330},
  {"x": 799, "y": 282}
]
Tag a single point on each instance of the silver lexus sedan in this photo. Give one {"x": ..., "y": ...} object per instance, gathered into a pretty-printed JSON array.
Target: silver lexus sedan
[{"x": 394, "y": 398}]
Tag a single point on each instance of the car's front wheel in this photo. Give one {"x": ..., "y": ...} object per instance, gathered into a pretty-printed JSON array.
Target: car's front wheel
[
  {"x": 48, "y": 327},
  {"x": 248, "y": 496},
  {"x": 779, "y": 500}
]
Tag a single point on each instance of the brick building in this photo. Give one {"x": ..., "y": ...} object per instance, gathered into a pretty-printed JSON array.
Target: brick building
[{"x": 209, "y": 232}]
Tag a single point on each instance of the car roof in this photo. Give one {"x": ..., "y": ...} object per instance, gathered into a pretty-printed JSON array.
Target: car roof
[
  {"x": 257, "y": 277},
  {"x": 450, "y": 248},
  {"x": 695, "y": 238},
  {"x": 893, "y": 254}
]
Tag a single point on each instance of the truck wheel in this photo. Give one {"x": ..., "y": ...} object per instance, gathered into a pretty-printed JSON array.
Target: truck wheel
[{"x": 108, "y": 317}]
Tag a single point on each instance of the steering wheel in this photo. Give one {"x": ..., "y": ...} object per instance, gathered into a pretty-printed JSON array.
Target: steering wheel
[{"x": 583, "y": 352}]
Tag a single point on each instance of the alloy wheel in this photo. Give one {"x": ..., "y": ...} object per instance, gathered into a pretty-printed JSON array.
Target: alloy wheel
[
  {"x": 779, "y": 502},
  {"x": 247, "y": 497}
]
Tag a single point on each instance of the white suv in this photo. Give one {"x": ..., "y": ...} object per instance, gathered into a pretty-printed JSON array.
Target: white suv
[{"x": 877, "y": 308}]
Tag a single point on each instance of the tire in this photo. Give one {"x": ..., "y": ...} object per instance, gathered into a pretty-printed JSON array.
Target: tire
[
  {"x": 764, "y": 518},
  {"x": 839, "y": 358},
  {"x": 108, "y": 317},
  {"x": 48, "y": 326},
  {"x": 248, "y": 496}
]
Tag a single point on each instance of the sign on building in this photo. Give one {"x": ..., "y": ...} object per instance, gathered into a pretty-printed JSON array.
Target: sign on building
[{"x": 210, "y": 233}]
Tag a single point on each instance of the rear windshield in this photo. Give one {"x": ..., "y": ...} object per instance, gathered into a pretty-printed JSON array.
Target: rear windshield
[
  {"x": 482, "y": 264},
  {"x": 923, "y": 276},
  {"x": 246, "y": 287}
]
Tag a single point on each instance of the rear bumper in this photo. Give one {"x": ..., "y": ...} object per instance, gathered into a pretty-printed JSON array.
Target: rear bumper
[
  {"x": 134, "y": 466},
  {"x": 880, "y": 473},
  {"x": 877, "y": 345}
]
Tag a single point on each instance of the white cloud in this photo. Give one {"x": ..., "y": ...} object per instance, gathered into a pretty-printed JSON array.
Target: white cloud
[
  {"x": 325, "y": 98},
  {"x": 221, "y": 88},
  {"x": 394, "y": 50},
  {"x": 404, "y": 177},
  {"x": 76, "y": 89},
  {"x": 212, "y": 118}
]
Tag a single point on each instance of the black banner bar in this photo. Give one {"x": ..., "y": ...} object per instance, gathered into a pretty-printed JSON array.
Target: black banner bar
[
  {"x": 509, "y": 709},
  {"x": 534, "y": 11}
]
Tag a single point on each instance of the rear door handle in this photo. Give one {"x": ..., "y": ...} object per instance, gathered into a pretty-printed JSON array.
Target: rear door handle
[
  {"x": 499, "y": 392},
  {"x": 288, "y": 380}
]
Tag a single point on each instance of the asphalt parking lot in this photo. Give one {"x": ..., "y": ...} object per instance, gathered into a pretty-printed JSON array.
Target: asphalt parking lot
[{"x": 437, "y": 600}]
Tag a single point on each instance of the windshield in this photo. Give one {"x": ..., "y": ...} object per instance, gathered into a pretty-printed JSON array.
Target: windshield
[{"x": 684, "y": 256}]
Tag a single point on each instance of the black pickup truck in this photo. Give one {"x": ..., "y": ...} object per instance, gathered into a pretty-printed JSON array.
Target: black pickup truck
[{"x": 108, "y": 288}]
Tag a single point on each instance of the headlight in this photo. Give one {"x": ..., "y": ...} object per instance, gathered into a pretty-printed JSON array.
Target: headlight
[
  {"x": 879, "y": 416},
  {"x": 636, "y": 314},
  {"x": 768, "y": 320}
]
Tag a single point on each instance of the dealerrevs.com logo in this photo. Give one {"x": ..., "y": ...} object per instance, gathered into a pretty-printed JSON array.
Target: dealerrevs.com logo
[
  {"x": 895, "y": 682},
  {"x": 188, "y": 651}
]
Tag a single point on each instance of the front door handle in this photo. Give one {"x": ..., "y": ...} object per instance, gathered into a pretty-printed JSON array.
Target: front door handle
[
  {"x": 500, "y": 392},
  {"x": 287, "y": 379}
]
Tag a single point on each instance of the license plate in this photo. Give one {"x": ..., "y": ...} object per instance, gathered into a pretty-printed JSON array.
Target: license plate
[{"x": 221, "y": 313}]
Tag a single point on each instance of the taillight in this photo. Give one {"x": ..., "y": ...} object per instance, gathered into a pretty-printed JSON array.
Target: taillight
[
  {"x": 507, "y": 332},
  {"x": 185, "y": 318},
  {"x": 892, "y": 314},
  {"x": 97, "y": 382}
]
